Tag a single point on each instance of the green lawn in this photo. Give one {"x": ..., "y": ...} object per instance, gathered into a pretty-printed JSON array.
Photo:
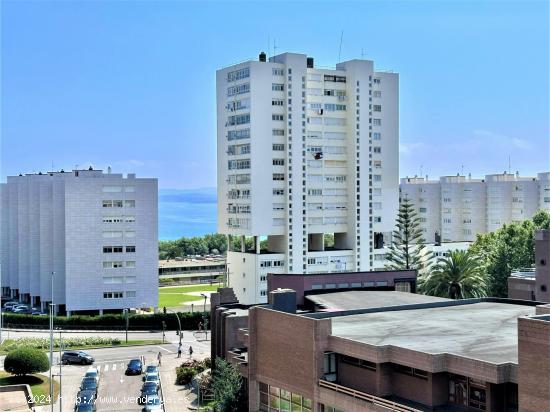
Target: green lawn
[
  {"x": 173, "y": 296},
  {"x": 40, "y": 385}
]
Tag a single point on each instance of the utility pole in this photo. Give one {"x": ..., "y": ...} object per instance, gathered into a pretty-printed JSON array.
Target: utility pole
[
  {"x": 60, "y": 363},
  {"x": 51, "y": 342},
  {"x": 127, "y": 322}
]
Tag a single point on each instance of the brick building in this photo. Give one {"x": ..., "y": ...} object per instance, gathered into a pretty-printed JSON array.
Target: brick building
[{"x": 383, "y": 350}]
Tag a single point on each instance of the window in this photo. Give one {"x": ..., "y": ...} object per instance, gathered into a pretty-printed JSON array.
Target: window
[
  {"x": 278, "y": 132},
  {"x": 377, "y": 163},
  {"x": 130, "y": 203},
  {"x": 238, "y": 89},
  {"x": 112, "y": 219},
  {"x": 377, "y": 219},
  {"x": 277, "y": 117},
  {"x": 376, "y": 108},
  {"x": 238, "y": 134},
  {"x": 111, "y": 189},
  {"x": 112, "y": 280},
  {"x": 112, "y": 295},
  {"x": 377, "y": 149},
  {"x": 377, "y": 93},
  {"x": 331, "y": 107},
  {"x": 129, "y": 233},
  {"x": 112, "y": 249},
  {"x": 278, "y": 176},
  {"x": 238, "y": 105},
  {"x": 278, "y": 206},
  {"x": 376, "y": 136},
  {"x": 130, "y": 249},
  {"x": 278, "y": 162},
  {"x": 112, "y": 203},
  {"x": 314, "y": 77},
  {"x": 238, "y": 74},
  {"x": 129, "y": 189},
  {"x": 278, "y": 72},
  {"x": 278, "y": 192},
  {"x": 130, "y": 264},
  {"x": 277, "y": 102},
  {"x": 422, "y": 210},
  {"x": 238, "y": 119},
  {"x": 129, "y": 219},
  {"x": 337, "y": 79},
  {"x": 278, "y": 146},
  {"x": 277, "y": 87},
  {"x": 377, "y": 178},
  {"x": 376, "y": 80},
  {"x": 112, "y": 265},
  {"x": 334, "y": 121},
  {"x": 130, "y": 293},
  {"x": 112, "y": 233},
  {"x": 377, "y": 122},
  {"x": 238, "y": 164}
]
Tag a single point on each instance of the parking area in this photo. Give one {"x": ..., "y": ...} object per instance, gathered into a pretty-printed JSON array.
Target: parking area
[{"x": 117, "y": 391}]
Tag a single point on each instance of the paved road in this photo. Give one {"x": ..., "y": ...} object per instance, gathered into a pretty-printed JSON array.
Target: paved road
[{"x": 117, "y": 392}]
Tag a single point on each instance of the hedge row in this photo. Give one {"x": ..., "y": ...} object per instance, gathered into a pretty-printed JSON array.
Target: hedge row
[{"x": 189, "y": 321}]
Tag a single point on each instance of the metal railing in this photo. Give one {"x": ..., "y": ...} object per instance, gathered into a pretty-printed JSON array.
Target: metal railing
[{"x": 393, "y": 406}]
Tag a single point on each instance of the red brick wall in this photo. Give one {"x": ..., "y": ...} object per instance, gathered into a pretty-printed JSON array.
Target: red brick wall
[{"x": 534, "y": 365}]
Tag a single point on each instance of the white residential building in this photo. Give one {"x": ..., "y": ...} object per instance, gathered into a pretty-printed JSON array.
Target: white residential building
[
  {"x": 457, "y": 208},
  {"x": 304, "y": 152},
  {"x": 95, "y": 232}
]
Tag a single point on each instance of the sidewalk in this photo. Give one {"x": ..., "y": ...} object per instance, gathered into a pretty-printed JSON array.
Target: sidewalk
[{"x": 176, "y": 397}]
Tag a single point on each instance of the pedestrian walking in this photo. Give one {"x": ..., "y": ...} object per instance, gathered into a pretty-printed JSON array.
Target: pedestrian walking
[
  {"x": 190, "y": 351},
  {"x": 179, "y": 350},
  {"x": 159, "y": 357}
]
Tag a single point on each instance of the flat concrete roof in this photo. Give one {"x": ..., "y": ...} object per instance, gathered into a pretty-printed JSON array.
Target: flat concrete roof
[
  {"x": 363, "y": 299},
  {"x": 484, "y": 331}
]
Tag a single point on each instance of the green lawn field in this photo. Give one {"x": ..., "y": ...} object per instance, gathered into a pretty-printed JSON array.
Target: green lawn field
[
  {"x": 40, "y": 385},
  {"x": 173, "y": 296}
]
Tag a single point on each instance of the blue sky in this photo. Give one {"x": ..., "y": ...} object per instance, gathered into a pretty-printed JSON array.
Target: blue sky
[{"x": 132, "y": 84}]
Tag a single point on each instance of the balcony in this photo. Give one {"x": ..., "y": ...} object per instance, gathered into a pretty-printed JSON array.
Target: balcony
[{"x": 372, "y": 402}]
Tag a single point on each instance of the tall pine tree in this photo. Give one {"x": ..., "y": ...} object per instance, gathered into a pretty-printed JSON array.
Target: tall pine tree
[{"x": 407, "y": 250}]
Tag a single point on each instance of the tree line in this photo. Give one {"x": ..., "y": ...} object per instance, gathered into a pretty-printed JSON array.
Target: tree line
[{"x": 481, "y": 270}]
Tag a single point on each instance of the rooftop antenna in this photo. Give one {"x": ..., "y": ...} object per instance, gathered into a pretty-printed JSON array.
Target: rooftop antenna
[
  {"x": 509, "y": 165},
  {"x": 362, "y": 54},
  {"x": 340, "y": 49},
  {"x": 274, "y": 47},
  {"x": 462, "y": 170},
  {"x": 268, "y": 46},
  {"x": 421, "y": 168}
]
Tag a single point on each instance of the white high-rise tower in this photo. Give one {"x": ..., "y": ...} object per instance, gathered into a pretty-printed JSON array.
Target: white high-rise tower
[{"x": 304, "y": 152}]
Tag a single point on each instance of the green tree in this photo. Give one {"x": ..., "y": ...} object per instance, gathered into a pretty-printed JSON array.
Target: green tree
[
  {"x": 228, "y": 390},
  {"x": 509, "y": 248},
  {"x": 24, "y": 361},
  {"x": 457, "y": 276},
  {"x": 407, "y": 250}
]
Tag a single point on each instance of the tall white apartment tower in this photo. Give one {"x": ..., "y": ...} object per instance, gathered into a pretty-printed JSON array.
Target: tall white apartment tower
[
  {"x": 95, "y": 232},
  {"x": 304, "y": 152}
]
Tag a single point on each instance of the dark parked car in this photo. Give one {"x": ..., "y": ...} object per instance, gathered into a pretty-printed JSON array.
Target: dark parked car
[
  {"x": 148, "y": 389},
  {"x": 85, "y": 408},
  {"x": 135, "y": 367},
  {"x": 88, "y": 384},
  {"x": 85, "y": 397},
  {"x": 77, "y": 357}
]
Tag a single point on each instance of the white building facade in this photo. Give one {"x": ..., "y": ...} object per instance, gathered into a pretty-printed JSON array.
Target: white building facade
[
  {"x": 96, "y": 232},
  {"x": 304, "y": 152},
  {"x": 457, "y": 208}
]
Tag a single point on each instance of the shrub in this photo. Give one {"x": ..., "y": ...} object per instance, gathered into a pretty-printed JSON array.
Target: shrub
[
  {"x": 207, "y": 362},
  {"x": 44, "y": 343},
  {"x": 25, "y": 360},
  {"x": 184, "y": 375},
  {"x": 189, "y": 321}
]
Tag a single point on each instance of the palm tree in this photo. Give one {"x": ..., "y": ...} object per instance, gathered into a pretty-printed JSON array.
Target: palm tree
[{"x": 457, "y": 276}]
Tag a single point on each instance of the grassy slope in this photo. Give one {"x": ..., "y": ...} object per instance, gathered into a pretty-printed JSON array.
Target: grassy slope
[
  {"x": 40, "y": 385},
  {"x": 172, "y": 296}
]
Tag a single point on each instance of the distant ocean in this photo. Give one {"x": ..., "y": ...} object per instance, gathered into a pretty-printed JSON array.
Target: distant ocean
[{"x": 187, "y": 212}]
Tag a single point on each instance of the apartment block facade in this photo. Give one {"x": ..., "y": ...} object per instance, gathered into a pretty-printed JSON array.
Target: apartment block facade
[
  {"x": 304, "y": 152},
  {"x": 95, "y": 232},
  {"x": 457, "y": 208}
]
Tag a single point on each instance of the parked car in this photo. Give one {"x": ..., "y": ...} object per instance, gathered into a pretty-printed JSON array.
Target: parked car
[
  {"x": 10, "y": 304},
  {"x": 152, "y": 377},
  {"x": 92, "y": 372},
  {"x": 22, "y": 310},
  {"x": 77, "y": 357},
  {"x": 85, "y": 408},
  {"x": 148, "y": 389},
  {"x": 152, "y": 369},
  {"x": 85, "y": 400},
  {"x": 134, "y": 367},
  {"x": 153, "y": 404},
  {"x": 89, "y": 384}
]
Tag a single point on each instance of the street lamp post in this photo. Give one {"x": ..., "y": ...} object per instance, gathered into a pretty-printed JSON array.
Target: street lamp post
[
  {"x": 127, "y": 322},
  {"x": 204, "y": 306},
  {"x": 60, "y": 363},
  {"x": 51, "y": 342},
  {"x": 179, "y": 322}
]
